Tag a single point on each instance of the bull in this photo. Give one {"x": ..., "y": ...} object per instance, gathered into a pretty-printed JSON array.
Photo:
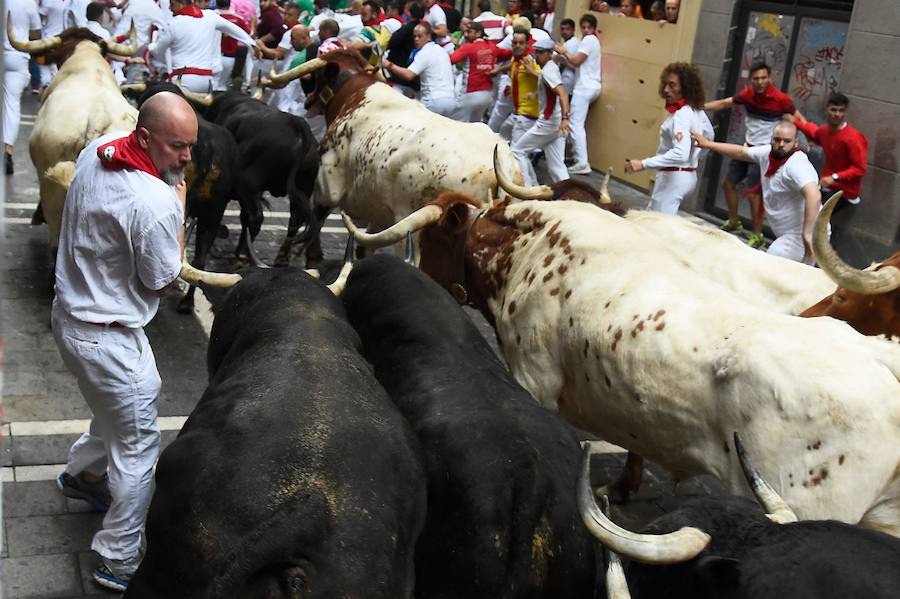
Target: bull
[
  {"x": 752, "y": 552},
  {"x": 601, "y": 321},
  {"x": 867, "y": 299},
  {"x": 63, "y": 127},
  {"x": 276, "y": 153},
  {"x": 289, "y": 478},
  {"x": 502, "y": 519},
  {"x": 385, "y": 155}
]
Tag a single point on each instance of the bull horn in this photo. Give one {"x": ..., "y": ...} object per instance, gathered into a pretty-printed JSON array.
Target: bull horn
[
  {"x": 410, "y": 257},
  {"x": 417, "y": 220},
  {"x": 32, "y": 46},
  {"x": 671, "y": 548},
  {"x": 776, "y": 508},
  {"x": 137, "y": 88},
  {"x": 337, "y": 287},
  {"x": 604, "y": 188},
  {"x": 867, "y": 282},
  {"x": 616, "y": 583},
  {"x": 539, "y": 192},
  {"x": 260, "y": 90},
  {"x": 206, "y": 100},
  {"x": 194, "y": 276},
  {"x": 298, "y": 71},
  {"x": 113, "y": 47}
]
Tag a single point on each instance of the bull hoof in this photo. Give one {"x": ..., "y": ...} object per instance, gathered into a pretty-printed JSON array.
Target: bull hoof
[
  {"x": 283, "y": 258},
  {"x": 185, "y": 305},
  {"x": 240, "y": 261},
  {"x": 222, "y": 233}
]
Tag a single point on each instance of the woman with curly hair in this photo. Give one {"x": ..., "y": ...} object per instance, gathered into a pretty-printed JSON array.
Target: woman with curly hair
[{"x": 676, "y": 159}]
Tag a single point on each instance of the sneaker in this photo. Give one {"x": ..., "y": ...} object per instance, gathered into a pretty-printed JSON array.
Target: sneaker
[
  {"x": 732, "y": 226},
  {"x": 76, "y": 487},
  {"x": 116, "y": 574},
  {"x": 756, "y": 241},
  {"x": 582, "y": 168},
  {"x": 536, "y": 157}
]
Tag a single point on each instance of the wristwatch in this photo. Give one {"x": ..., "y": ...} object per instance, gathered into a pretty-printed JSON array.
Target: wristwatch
[{"x": 835, "y": 177}]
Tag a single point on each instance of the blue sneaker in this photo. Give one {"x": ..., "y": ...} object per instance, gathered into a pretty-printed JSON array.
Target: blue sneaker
[
  {"x": 76, "y": 487},
  {"x": 116, "y": 574}
]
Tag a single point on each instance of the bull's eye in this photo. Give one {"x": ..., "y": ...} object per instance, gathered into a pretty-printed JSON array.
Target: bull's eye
[{"x": 840, "y": 297}]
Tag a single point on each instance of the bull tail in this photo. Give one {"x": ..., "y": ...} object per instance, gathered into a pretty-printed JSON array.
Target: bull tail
[
  {"x": 61, "y": 173},
  {"x": 303, "y": 174}
]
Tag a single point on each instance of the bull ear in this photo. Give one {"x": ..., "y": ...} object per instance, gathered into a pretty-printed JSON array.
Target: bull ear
[
  {"x": 721, "y": 576},
  {"x": 455, "y": 218}
]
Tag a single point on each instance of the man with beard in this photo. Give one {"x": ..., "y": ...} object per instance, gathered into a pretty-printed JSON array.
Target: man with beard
[
  {"x": 790, "y": 188},
  {"x": 120, "y": 249}
]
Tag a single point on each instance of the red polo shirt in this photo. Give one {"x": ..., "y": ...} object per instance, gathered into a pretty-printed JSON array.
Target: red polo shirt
[{"x": 845, "y": 155}]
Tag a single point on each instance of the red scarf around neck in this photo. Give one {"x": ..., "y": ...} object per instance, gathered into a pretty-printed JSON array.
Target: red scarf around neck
[
  {"x": 777, "y": 163},
  {"x": 190, "y": 11},
  {"x": 126, "y": 153},
  {"x": 671, "y": 108}
]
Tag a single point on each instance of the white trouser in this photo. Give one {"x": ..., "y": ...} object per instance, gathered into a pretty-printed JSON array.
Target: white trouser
[
  {"x": 317, "y": 125},
  {"x": 789, "y": 245},
  {"x": 471, "y": 106},
  {"x": 224, "y": 80},
  {"x": 543, "y": 135},
  {"x": 116, "y": 373},
  {"x": 195, "y": 83},
  {"x": 670, "y": 188},
  {"x": 442, "y": 106},
  {"x": 578, "y": 111},
  {"x": 503, "y": 107},
  {"x": 15, "y": 80},
  {"x": 520, "y": 124}
]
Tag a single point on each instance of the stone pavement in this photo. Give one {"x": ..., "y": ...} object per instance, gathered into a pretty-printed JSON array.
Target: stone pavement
[{"x": 45, "y": 536}]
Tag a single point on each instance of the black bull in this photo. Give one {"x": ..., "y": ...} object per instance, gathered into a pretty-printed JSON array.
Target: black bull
[
  {"x": 502, "y": 516},
  {"x": 276, "y": 153},
  {"x": 751, "y": 557},
  {"x": 294, "y": 476}
]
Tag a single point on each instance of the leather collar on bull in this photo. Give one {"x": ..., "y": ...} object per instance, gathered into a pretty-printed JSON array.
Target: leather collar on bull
[{"x": 458, "y": 287}]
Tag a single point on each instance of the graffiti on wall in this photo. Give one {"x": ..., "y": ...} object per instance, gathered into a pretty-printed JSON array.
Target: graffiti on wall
[{"x": 816, "y": 71}]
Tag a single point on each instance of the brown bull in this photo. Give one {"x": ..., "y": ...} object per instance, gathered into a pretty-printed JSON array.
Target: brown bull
[{"x": 868, "y": 300}]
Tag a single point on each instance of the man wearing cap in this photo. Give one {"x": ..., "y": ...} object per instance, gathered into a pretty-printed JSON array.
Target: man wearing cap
[
  {"x": 479, "y": 57},
  {"x": 548, "y": 133}
]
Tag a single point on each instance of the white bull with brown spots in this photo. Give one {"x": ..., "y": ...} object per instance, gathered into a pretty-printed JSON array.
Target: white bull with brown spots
[
  {"x": 384, "y": 155},
  {"x": 603, "y": 322}
]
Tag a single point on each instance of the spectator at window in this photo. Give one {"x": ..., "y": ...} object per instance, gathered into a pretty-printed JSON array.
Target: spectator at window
[
  {"x": 630, "y": 8},
  {"x": 672, "y": 7},
  {"x": 599, "y": 6},
  {"x": 658, "y": 11}
]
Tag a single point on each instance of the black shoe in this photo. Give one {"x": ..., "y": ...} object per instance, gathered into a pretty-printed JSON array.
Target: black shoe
[
  {"x": 9, "y": 164},
  {"x": 76, "y": 487},
  {"x": 38, "y": 217}
]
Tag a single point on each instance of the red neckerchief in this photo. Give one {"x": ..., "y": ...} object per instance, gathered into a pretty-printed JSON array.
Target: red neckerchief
[
  {"x": 190, "y": 11},
  {"x": 777, "y": 163},
  {"x": 671, "y": 108},
  {"x": 126, "y": 153}
]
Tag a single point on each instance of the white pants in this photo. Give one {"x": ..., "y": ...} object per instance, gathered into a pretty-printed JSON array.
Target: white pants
[
  {"x": 520, "y": 125},
  {"x": 471, "y": 106},
  {"x": 442, "y": 106},
  {"x": 195, "y": 83},
  {"x": 543, "y": 135},
  {"x": 503, "y": 107},
  {"x": 578, "y": 111},
  {"x": 116, "y": 373},
  {"x": 15, "y": 80},
  {"x": 47, "y": 73},
  {"x": 789, "y": 245},
  {"x": 670, "y": 188},
  {"x": 224, "y": 80},
  {"x": 317, "y": 125}
]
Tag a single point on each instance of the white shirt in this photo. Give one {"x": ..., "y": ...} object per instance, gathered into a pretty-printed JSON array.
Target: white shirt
[
  {"x": 145, "y": 14},
  {"x": 432, "y": 65},
  {"x": 495, "y": 26},
  {"x": 118, "y": 242},
  {"x": 193, "y": 41},
  {"x": 568, "y": 71},
  {"x": 435, "y": 17},
  {"x": 53, "y": 12},
  {"x": 675, "y": 147},
  {"x": 97, "y": 29},
  {"x": 550, "y": 77},
  {"x": 288, "y": 48},
  {"x": 536, "y": 34},
  {"x": 784, "y": 202},
  {"x": 76, "y": 13},
  {"x": 349, "y": 26},
  {"x": 25, "y": 18},
  {"x": 588, "y": 75}
]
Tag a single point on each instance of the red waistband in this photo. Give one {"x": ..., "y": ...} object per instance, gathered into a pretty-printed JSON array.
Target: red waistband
[
  {"x": 189, "y": 71},
  {"x": 670, "y": 169}
]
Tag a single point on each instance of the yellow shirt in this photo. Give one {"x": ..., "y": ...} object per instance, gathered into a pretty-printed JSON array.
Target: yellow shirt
[{"x": 525, "y": 89}]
